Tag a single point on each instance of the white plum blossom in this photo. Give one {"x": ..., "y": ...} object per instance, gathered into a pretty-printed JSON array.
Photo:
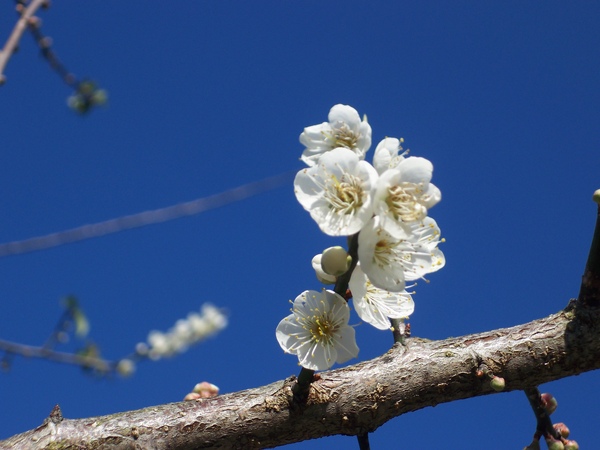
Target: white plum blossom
[
  {"x": 317, "y": 331},
  {"x": 377, "y": 306},
  {"x": 387, "y": 154},
  {"x": 389, "y": 261},
  {"x": 385, "y": 206},
  {"x": 337, "y": 192},
  {"x": 344, "y": 129},
  {"x": 404, "y": 194}
]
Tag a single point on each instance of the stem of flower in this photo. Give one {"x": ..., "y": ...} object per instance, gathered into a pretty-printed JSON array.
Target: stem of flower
[
  {"x": 305, "y": 377},
  {"x": 300, "y": 389},
  {"x": 544, "y": 424},
  {"x": 363, "y": 441},
  {"x": 341, "y": 285},
  {"x": 396, "y": 333}
]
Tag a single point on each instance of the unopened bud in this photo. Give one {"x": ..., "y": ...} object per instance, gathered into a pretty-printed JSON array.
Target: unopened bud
[
  {"x": 335, "y": 261},
  {"x": 549, "y": 402},
  {"x": 191, "y": 396},
  {"x": 321, "y": 275},
  {"x": 596, "y": 196},
  {"x": 553, "y": 444},
  {"x": 125, "y": 367},
  {"x": 571, "y": 445},
  {"x": 100, "y": 97},
  {"x": 498, "y": 384},
  {"x": 562, "y": 429},
  {"x": 206, "y": 390}
]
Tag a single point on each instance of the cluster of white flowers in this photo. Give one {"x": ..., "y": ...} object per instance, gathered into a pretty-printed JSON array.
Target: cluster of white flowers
[
  {"x": 387, "y": 204},
  {"x": 195, "y": 328}
]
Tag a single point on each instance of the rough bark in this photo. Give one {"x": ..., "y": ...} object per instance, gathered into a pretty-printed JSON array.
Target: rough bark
[{"x": 346, "y": 401}]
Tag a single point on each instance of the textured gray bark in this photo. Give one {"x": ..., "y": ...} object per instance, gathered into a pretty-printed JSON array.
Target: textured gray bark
[{"x": 347, "y": 401}]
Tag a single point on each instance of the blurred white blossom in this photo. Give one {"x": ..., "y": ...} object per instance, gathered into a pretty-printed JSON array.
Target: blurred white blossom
[{"x": 195, "y": 328}]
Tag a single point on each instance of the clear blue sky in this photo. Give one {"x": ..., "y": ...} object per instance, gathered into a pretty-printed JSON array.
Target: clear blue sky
[{"x": 502, "y": 97}]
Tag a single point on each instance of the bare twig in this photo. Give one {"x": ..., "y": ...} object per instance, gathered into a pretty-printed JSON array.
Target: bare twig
[
  {"x": 13, "y": 41},
  {"x": 29, "y": 351},
  {"x": 144, "y": 218}
]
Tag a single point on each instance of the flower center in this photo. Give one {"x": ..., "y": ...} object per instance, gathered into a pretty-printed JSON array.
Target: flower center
[
  {"x": 384, "y": 253},
  {"x": 403, "y": 202},
  {"x": 345, "y": 137},
  {"x": 321, "y": 328},
  {"x": 345, "y": 195}
]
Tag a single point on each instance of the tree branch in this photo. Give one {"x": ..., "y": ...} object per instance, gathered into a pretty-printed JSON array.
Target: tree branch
[
  {"x": 13, "y": 41},
  {"x": 350, "y": 401},
  {"x": 30, "y": 351}
]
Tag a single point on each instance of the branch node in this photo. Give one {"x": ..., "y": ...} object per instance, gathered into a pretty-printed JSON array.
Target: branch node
[{"x": 55, "y": 416}]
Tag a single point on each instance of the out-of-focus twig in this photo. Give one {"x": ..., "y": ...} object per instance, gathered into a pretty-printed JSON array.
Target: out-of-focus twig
[
  {"x": 13, "y": 41},
  {"x": 144, "y": 218},
  {"x": 30, "y": 351}
]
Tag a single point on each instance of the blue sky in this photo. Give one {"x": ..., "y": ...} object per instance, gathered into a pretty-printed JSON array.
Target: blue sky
[{"x": 502, "y": 97}]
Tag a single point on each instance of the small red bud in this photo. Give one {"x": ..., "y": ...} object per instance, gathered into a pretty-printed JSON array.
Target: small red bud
[
  {"x": 206, "y": 390},
  {"x": 571, "y": 445},
  {"x": 562, "y": 429},
  {"x": 549, "y": 402}
]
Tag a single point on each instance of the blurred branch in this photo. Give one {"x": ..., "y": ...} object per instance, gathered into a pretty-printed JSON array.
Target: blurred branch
[
  {"x": 351, "y": 400},
  {"x": 13, "y": 41},
  {"x": 144, "y": 218},
  {"x": 43, "y": 352}
]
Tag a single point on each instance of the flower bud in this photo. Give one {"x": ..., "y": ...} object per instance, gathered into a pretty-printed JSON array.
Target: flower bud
[
  {"x": 206, "y": 390},
  {"x": 571, "y": 445},
  {"x": 100, "y": 97},
  {"x": 125, "y": 367},
  {"x": 549, "y": 402},
  {"x": 562, "y": 429},
  {"x": 596, "y": 196},
  {"x": 553, "y": 444},
  {"x": 191, "y": 396},
  {"x": 335, "y": 261},
  {"x": 498, "y": 384},
  {"x": 321, "y": 275}
]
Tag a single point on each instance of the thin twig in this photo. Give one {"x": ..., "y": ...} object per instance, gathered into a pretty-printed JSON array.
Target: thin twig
[
  {"x": 29, "y": 351},
  {"x": 13, "y": 41},
  {"x": 144, "y": 218},
  {"x": 544, "y": 423},
  {"x": 590, "y": 284}
]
